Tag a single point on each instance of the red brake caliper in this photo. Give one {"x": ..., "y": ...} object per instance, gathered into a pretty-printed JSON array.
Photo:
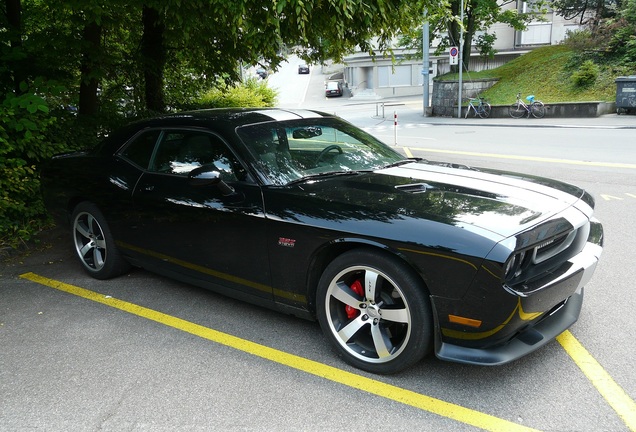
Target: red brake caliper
[{"x": 357, "y": 288}]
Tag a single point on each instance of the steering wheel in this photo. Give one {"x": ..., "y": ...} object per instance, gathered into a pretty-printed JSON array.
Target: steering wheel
[{"x": 327, "y": 150}]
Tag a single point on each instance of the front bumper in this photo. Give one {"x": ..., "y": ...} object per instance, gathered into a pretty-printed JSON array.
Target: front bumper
[
  {"x": 524, "y": 343},
  {"x": 554, "y": 322}
]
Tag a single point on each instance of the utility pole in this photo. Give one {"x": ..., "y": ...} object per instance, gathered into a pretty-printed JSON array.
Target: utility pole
[{"x": 425, "y": 62}]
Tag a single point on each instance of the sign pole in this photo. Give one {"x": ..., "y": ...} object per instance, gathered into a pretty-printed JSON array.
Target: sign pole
[{"x": 461, "y": 62}]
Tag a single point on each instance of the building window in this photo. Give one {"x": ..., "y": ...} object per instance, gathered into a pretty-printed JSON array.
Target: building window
[
  {"x": 534, "y": 6},
  {"x": 537, "y": 34}
]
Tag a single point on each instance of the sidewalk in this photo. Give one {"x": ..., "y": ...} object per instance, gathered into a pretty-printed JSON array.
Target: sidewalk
[{"x": 409, "y": 111}]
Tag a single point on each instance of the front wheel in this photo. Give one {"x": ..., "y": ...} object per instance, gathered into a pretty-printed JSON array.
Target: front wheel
[
  {"x": 517, "y": 110},
  {"x": 484, "y": 111},
  {"x": 375, "y": 311},
  {"x": 94, "y": 244},
  {"x": 538, "y": 110}
]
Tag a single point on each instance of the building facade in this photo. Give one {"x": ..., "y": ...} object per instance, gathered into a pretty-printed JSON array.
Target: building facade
[{"x": 380, "y": 77}]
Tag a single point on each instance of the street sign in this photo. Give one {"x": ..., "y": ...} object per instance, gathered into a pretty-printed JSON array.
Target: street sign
[{"x": 453, "y": 55}]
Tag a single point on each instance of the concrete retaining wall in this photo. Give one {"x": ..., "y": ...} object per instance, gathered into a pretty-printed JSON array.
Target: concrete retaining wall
[{"x": 444, "y": 102}]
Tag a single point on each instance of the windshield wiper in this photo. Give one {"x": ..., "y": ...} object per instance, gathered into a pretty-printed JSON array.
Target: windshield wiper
[
  {"x": 402, "y": 162},
  {"x": 325, "y": 175}
]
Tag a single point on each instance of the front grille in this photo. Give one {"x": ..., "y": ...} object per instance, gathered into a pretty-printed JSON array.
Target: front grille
[
  {"x": 541, "y": 260},
  {"x": 552, "y": 247}
]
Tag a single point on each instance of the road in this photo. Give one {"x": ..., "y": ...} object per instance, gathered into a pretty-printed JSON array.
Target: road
[{"x": 142, "y": 353}]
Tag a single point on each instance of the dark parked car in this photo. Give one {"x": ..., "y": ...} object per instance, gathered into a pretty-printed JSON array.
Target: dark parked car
[
  {"x": 333, "y": 88},
  {"x": 304, "y": 213},
  {"x": 303, "y": 69}
]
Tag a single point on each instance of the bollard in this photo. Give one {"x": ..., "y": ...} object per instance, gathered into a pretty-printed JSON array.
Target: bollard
[{"x": 395, "y": 123}]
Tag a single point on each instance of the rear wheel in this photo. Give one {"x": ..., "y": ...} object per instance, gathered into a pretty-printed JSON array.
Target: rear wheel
[
  {"x": 517, "y": 110},
  {"x": 538, "y": 110},
  {"x": 375, "y": 311},
  {"x": 94, "y": 244}
]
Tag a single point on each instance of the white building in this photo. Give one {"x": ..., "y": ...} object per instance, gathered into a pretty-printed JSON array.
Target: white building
[{"x": 379, "y": 78}]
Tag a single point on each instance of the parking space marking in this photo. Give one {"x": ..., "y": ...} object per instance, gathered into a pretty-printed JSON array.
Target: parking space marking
[
  {"x": 604, "y": 383},
  {"x": 378, "y": 388},
  {"x": 528, "y": 158}
]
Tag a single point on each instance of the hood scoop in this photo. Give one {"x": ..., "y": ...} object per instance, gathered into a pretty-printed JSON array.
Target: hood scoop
[{"x": 415, "y": 188}]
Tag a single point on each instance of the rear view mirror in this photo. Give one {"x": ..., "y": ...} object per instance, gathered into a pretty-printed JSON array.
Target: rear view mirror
[{"x": 307, "y": 132}]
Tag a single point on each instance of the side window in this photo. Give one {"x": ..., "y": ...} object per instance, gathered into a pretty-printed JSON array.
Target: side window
[
  {"x": 140, "y": 148},
  {"x": 180, "y": 152}
]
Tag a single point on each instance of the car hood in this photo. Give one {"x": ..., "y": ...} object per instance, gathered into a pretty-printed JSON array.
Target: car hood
[{"x": 499, "y": 202}]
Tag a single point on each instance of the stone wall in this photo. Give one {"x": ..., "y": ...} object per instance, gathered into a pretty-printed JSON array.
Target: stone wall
[
  {"x": 444, "y": 102},
  {"x": 444, "y": 99}
]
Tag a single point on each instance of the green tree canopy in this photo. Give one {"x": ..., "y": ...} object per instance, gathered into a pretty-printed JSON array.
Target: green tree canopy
[
  {"x": 144, "y": 50},
  {"x": 479, "y": 16},
  {"x": 587, "y": 12}
]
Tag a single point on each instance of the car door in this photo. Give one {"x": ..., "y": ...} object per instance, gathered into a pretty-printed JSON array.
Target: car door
[{"x": 200, "y": 233}]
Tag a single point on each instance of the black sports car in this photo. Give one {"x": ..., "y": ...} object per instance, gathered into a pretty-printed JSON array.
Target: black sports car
[{"x": 302, "y": 212}]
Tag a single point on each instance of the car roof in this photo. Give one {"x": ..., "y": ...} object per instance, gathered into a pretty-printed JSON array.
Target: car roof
[
  {"x": 233, "y": 117},
  {"x": 222, "y": 119}
]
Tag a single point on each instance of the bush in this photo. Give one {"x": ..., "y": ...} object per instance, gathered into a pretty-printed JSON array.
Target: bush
[
  {"x": 252, "y": 93},
  {"x": 580, "y": 40},
  {"x": 586, "y": 75},
  {"x": 24, "y": 121}
]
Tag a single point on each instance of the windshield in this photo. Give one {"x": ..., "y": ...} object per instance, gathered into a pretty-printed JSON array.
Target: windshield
[{"x": 287, "y": 152}]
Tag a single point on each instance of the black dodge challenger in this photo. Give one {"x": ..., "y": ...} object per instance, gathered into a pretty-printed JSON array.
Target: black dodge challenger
[{"x": 304, "y": 213}]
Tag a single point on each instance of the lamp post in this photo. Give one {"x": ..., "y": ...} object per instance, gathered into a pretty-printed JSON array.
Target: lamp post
[{"x": 425, "y": 62}]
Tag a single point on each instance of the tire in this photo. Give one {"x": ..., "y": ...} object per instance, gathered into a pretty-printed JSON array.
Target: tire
[
  {"x": 94, "y": 244},
  {"x": 537, "y": 109},
  {"x": 484, "y": 111},
  {"x": 517, "y": 110},
  {"x": 384, "y": 328}
]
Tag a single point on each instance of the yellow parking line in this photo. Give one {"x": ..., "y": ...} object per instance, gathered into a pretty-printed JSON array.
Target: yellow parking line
[
  {"x": 378, "y": 388},
  {"x": 528, "y": 158},
  {"x": 606, "y": 386}
]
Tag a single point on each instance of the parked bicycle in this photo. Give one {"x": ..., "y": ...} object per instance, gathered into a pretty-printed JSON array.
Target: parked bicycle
[
  {"x": 520, "y": 108},
  {"x": 479, "y": 106}
]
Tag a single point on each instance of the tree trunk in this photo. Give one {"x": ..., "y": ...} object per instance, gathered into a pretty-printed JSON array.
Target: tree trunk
[
  {"x": 153, "y": 52},
  {"x": 469, "y": 33},
  {"x": 89, "y": 67}
]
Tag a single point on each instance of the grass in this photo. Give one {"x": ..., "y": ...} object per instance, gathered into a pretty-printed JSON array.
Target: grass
[{"x": 546, "y": 73}]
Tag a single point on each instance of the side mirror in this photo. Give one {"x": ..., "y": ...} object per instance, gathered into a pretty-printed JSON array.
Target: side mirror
[{"x": 209, "y": 175}]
